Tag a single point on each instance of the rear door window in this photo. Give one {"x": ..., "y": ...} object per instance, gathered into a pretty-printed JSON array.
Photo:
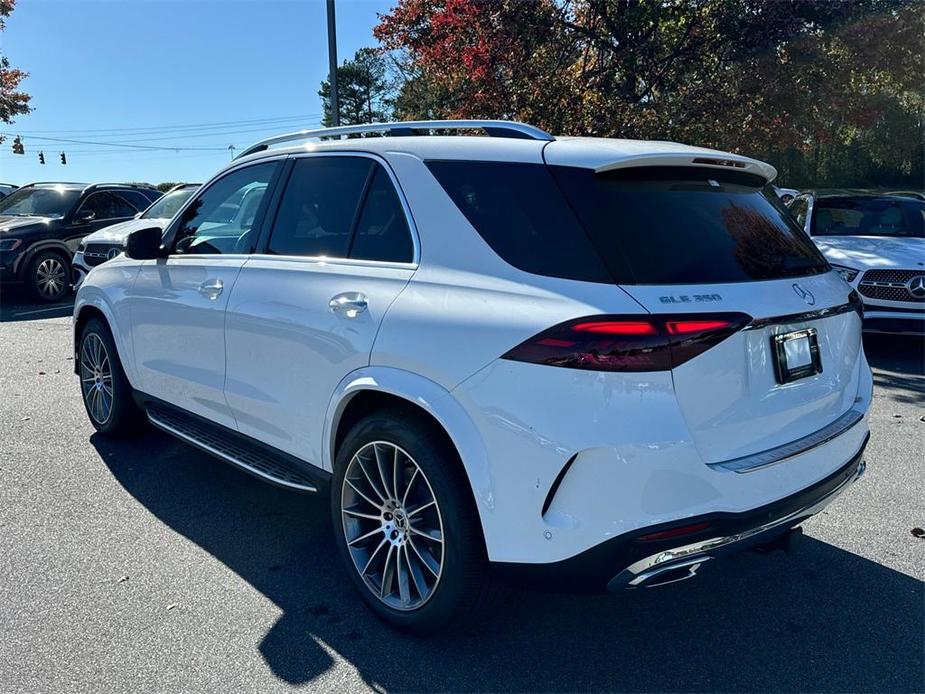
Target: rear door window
[
  {"x": 520, "y": 212},
  {"x": 107, "y": 205},
  {"x": 687, "y": 225},
  {"x": 382, "y": 231},
  {"x": 319, "y": 206},
  {"x": 135, "y": 199}
]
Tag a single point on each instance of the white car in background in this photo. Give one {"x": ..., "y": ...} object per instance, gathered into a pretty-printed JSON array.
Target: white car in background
[
  {"x": 877, "y": 244},
  {"x": 108, "y": 242},
  {"x": 585, "y": 362},
  {"x": 786, "y": 194}
]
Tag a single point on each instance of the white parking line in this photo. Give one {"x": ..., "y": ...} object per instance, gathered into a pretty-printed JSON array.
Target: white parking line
[{"x": 41, "y": 310}]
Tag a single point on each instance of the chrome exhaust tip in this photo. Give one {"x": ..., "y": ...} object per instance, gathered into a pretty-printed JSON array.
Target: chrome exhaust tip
[{"x": 660, "y": 576}]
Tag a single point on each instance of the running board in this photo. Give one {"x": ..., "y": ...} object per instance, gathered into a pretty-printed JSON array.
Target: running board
[{"x": 238, "y": 453}]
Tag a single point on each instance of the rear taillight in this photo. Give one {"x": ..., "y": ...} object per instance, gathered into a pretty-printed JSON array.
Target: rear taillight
[{"x": 628, "y": 343}]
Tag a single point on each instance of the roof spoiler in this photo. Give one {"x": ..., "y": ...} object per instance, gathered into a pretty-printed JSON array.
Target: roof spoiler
[{"x": 732, "y": 162}]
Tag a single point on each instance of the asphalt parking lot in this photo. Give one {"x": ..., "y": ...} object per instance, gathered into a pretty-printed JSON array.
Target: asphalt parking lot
[{"x": 147, "y": 566}]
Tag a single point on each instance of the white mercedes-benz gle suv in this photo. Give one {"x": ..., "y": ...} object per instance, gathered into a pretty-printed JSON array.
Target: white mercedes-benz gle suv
[
  {"x": 591, "y": 363},
  {"x": 877, "y": 244}
]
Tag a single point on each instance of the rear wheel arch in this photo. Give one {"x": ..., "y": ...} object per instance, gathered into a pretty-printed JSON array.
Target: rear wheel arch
[
  {"x": 368, "y": 402},
  {"x": 370, "y": 390}
]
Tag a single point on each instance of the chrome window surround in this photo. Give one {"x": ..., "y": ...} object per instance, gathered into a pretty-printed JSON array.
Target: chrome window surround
[
  {"x": 409, "y": 219},
  {"x": 779, "y": 454}
]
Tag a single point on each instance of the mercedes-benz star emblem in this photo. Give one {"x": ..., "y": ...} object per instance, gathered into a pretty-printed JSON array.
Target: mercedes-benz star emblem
[
  {"x": 113, "y": 252},
  {"x": 804, "y": 294},
  {"x": 916, "y": 287}
]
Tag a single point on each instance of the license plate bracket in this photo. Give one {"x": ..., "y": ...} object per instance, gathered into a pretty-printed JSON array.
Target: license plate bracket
[{"x": 796, "y": 355}]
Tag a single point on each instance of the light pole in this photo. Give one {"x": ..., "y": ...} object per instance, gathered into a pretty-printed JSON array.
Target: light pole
[{"x": 332, "y": 62}]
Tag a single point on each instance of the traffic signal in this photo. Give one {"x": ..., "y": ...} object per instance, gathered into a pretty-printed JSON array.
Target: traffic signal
[
  {"x": 63, "y": 158},
  {"x": 17, "y": 146},
  {"x": 41, "y": 157}
]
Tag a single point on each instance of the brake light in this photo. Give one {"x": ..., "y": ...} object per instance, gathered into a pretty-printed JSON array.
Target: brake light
[
  {"x": 616, "y": 328},
  {"x": 628, "y": 343},
  {"x": 687, "y": 327}
]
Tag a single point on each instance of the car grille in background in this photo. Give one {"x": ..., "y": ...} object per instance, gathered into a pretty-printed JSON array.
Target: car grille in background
[
  {"x": 97, "y": 253},
  {"x": 890, "y": 285}
]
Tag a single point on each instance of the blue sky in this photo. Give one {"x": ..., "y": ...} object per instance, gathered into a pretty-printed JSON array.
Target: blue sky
[{"x": 167, "y": 74}]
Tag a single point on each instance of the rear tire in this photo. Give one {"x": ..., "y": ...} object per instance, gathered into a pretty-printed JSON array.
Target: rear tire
[
  {"x": 405, "y": 525},
  {"x": 106, "y": 393},
  {"x": 47, "y": 277}
]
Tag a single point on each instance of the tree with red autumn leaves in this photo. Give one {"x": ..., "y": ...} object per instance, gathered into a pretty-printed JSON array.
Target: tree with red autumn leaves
[
  {"x": 13, "y": 102},
  {"x": 828, "y": 91}
]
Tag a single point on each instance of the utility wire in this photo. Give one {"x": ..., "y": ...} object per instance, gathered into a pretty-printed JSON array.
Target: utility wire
[
  {"x": 164, "y": 128},
  {"x": 112, "y": 144}
]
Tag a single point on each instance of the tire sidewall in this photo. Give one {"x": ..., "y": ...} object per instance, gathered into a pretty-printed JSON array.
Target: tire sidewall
[
  {"x": 121, "y": 392},
  {"x": 431, "y": 456},
  {"x": 32, "y": 284}
]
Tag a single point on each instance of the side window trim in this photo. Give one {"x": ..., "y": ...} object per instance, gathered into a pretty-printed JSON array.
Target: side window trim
[
  {"x": 170, "y": 233},
  {"x": 361, "y": 205},
  {"x": 270, "y": 218}
]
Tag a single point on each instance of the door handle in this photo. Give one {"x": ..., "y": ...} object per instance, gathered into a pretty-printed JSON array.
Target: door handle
[
  {"x": 349, "y": 303},
  {"x": 211, "y": 289}
]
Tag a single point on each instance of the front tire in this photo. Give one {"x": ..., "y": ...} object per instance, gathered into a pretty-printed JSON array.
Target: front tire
[
  {"x": 47, "y": 277},
  {"x": 405, "y": 524},
  {"x": 106, "y": 393}
]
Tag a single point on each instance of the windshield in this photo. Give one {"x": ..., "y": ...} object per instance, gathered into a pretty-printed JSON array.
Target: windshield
[
  {"x": 887, "y": 216},
  {"x": 39, "y": 202},
  {"x": 167, "y": 206}
]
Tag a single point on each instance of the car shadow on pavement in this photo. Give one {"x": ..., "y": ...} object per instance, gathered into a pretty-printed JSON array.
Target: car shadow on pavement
[
  {"x": 898, "y": 353},
  {"x": 15, "y": 306},
  {"x": 899, "y": 366},
  {"x": 823, "y": 620}
]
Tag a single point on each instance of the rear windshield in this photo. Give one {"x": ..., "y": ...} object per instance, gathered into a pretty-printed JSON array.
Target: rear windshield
[
  {"x": 647, "y": 225},
  {"x": 686, "y": 225},
  {"x": 855, "y": 216}
]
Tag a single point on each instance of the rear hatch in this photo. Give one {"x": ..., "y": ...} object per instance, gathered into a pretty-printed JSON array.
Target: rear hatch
[{"x": 714, "y": 243}]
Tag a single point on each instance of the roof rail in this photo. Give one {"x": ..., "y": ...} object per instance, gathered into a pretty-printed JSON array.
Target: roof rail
[
  {"x": 494, "y": 128},
  {"x": 142, "y": 186}
]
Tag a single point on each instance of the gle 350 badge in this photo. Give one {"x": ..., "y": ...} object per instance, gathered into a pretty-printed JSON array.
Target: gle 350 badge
[{"x": 690, "y": 298}]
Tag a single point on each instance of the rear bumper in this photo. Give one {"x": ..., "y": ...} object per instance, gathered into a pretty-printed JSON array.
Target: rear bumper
[{"x": 628, "y": 561}]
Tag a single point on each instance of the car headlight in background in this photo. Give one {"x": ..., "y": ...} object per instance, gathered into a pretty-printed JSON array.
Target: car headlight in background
[
  {"x": 847, "y": 273},
  {"x": 82, "y": 246},
  {"x": 10, "y": 244}
]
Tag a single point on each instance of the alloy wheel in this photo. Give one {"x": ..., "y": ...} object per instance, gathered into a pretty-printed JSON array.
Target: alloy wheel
[
  {"x": 51, "y": 277},
  {"x": 96, "y": 378},
  {"x": 392, "y": 525}
]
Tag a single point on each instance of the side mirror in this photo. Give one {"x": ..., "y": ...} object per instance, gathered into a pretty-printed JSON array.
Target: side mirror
[
  {"x": 85, "y": 217},
  {"x": 144, "y": 244}
]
